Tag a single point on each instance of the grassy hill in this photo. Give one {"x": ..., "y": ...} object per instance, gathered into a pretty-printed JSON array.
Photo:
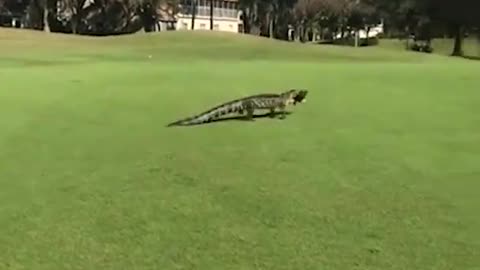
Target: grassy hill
[
  {"x": 441, "y": 46},
  {"x": 179, "y": 46},
  {"x": 378, "y": 170}
]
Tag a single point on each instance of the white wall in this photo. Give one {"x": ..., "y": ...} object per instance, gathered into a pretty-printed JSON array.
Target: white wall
[{"x": 203, "y": 23}]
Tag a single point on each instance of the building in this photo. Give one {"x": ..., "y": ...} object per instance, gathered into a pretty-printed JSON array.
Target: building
[{"x": 226, "y": 15}]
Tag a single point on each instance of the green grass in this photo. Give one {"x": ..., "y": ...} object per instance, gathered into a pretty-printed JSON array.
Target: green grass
[
  {"x": 378, "y": 170},
  {"x": 471, "y": 46}
]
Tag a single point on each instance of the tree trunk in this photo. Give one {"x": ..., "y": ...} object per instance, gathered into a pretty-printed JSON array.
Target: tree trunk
[
  {"x": 253, "y": 21},
  {"x": 297, "y": 33},
  {"x": 46, "y": 27},
  {"x": 478, "y": 42},
  {"x": 305, "y": 33},
  {"x": 356, "y": 37},
  {"x": 194, "y": 8},
  {"x": 211, "y": 14},
  {"x": 407, "y": 37},
  {"x": 245, "y": 19},
  {"x": 457, "y": 46},
  {"x": 270, "y": 25},
  {"x": 74, "y": 24},
  {"x": 367, "y": 39}
]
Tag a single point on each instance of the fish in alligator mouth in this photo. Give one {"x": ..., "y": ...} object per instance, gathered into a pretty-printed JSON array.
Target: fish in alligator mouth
[{"x": 300, "y": 96}]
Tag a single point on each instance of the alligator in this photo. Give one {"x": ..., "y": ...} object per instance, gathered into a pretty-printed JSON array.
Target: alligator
[{"x": 248, "y": 105}]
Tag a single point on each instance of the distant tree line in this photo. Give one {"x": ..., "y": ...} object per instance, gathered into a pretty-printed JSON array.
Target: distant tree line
[
  {"x": 88, "y": 17},
  {"x": 426, "y": 19}
]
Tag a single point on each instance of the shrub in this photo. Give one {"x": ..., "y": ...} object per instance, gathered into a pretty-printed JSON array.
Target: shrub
[{"x": 419, "y": 46}]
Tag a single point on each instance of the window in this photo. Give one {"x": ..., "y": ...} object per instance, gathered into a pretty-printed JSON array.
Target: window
[
  {"x": 216, "y": 27},
  {"x": 202, "y": 11},
  {"x": 230, "y": 10},
  {"x": 185, "y": 25},
  {"x": 202, "y": 26},
  {"x": 216, "y": 9}
]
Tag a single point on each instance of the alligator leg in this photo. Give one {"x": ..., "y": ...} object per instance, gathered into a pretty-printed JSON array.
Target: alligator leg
[{"x": 249, "y": 109}]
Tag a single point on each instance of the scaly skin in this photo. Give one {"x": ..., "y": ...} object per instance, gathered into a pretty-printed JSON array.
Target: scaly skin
[{"x": 248, "y": 105}]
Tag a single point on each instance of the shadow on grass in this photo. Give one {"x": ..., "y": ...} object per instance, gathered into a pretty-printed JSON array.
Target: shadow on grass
[
  {"x": 273, "y": 116},
  {"x": 476, "y": 58}
]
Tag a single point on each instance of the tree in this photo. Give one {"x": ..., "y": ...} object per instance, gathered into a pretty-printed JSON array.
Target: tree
[
  {"x": 459, "y": 16},
  {"x": 193, "y": 7},
  {"x": 251, "y": 18},
  {"x": 267, "y": 17},
  {"x": 38, "y": 14},
  {"x": 308, "y": 13},
  {"x": 211, "y": 14},
  {"x": 370, "y": 13},
  {"x": 72, "y": 12}
]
